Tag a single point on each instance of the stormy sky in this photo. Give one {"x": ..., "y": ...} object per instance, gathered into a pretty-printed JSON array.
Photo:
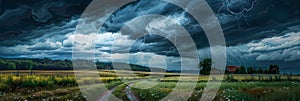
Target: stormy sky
[{"x": 257, "y": 32}]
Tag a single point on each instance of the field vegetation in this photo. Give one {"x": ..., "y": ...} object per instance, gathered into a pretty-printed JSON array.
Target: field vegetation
[
  {"x": 236, "y": 91},
  {"x": 39, "y": 79},
  {"x": 63, "y": 86}
]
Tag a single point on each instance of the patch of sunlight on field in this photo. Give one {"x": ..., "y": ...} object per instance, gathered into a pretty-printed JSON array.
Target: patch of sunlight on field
[
  {"x": 145, "y": 84},
  {"x": 188, "y": 78}
]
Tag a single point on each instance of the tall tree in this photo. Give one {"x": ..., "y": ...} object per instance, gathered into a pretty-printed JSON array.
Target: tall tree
[
  {"x": 274, "y": 69},
  {"x": 251, "y": 70},
  {"x": 241, "y": 70},
  {"x": 11, "y": 65},
  {"x": 18, "y": 66},
  {"x": 205, "y": 66},
  {"x": 28, "y": 65},
  {"x": 3, "y": 64},
  {"x": 260, "y": 71}
]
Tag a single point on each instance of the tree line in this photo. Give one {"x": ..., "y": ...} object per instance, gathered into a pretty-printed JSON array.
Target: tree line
[
  {"x": 273, "y": 69},
  {"x": 205, "y": 68},
  {"x": 35, "y": 64},
  {"x": 49, "y": 64}
]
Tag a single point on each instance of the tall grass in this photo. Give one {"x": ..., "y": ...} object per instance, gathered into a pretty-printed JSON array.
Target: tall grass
[
  {"x": 9, "y": 83},
  {"x": 236, "y": 91},
  {"x": 261, "y": 78},
  {"x": 120, "y": 92}
]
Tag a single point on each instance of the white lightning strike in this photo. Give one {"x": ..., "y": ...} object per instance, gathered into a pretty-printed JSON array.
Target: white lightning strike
[{"x": 227, "y": 3}]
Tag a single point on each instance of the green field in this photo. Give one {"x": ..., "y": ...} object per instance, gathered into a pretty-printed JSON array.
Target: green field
[{"x": 63, "y": 85}]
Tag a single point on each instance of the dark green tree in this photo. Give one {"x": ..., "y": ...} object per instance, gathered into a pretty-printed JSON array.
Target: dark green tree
[
  {"x": 260, "y": 71},
  {"x": 241, "y": 70},
  {"x": 11, "y": 65},
  {"x": 205, "y": 66},
  {"x": 18, "y": 66},
  {"x": 274, "y": 69},
  {"x": 266, "y": 71},
  {"x": 28, "y": 65},
  {"x": 251, "y": 70},
  {"x": 3, "y": 64}
]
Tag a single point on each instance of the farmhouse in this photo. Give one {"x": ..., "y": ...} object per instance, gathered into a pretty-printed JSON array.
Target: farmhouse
[{"x": 231, "y": 69}]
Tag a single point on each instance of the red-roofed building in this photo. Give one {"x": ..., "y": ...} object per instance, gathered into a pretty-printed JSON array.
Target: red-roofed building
[{"x": 231, "y": 69}]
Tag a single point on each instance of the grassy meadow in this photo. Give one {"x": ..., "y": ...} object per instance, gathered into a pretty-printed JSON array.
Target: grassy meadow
[{"x": 63, "y": 85}]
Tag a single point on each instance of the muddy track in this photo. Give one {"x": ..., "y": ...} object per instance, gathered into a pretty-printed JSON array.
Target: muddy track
[
  {"x": 130, "y": 95},
  {"x": 106, "y": 95}
]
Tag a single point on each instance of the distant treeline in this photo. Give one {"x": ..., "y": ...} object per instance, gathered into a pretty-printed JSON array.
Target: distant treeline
[
  {"x": 35, "y": 64},
  {"x": 49, "y": 64},
  {"x": 273, "y": 69},
  {"x": 205, "y": 68}
]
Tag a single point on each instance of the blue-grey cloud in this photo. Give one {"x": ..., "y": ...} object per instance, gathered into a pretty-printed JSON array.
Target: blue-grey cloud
[
  {"x": 31, "y": 28},
  {"x": 18, "y": 19}
]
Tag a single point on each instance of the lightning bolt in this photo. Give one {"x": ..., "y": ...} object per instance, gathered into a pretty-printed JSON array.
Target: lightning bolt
[{"x": 226, "y": 4}]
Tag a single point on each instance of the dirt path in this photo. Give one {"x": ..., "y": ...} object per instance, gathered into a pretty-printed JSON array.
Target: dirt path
[
  {"x": 106, "y": 95},
  {"x": 130, "y": 95}
]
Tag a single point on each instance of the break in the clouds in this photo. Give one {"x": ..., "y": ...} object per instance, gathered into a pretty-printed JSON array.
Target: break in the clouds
[
  {"x": 256, "y": 31},
  {"x": 285, "y": 47}
]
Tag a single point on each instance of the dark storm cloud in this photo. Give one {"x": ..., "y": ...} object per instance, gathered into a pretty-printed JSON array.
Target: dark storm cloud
[
  {"x": 149, "y": 43},
  {"x": 41, "y": 11},
  {"x": 19, "y": 18},
  {"x": 42, "y": 48},
  {"x": 50, "y": 32},
  {"x": 242, "y": 20},
  {"x": 266, "y": 18},
  {"x": 240, "y": 25},
  {"x": 24, "y": 24},
  {"x": 144, "y": 7}
]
